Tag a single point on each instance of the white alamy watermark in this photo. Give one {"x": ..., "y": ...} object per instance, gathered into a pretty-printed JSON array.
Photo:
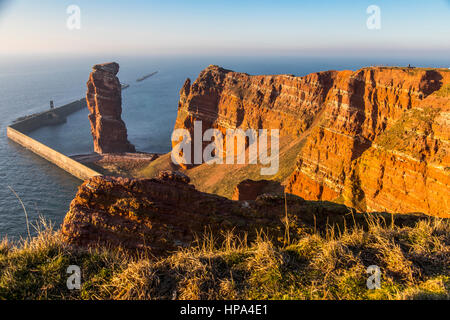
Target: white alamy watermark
[
  {"x": 231, "y": 149},
  {"x": 374, "y": 280},
  {"x": 74, "y": 19},
  {"x": 374, "y": 20},
  {"x": 74, "y": 280}
]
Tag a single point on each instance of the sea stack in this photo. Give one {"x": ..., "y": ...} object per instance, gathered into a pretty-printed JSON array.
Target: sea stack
[{"x": 104, "y": 100}]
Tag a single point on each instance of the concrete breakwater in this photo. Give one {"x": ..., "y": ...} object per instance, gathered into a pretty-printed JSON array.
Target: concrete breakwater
[
  {"x": 17, "y": 132},
  {"x": 50, "y": 117}
]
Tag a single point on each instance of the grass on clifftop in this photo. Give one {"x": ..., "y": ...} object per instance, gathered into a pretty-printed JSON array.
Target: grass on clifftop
[
  {"x": 444, "y": 91},
  {"x": 414, "y": 263},
  {"x": 407, "y": 134},
  {"x": 223, "y": 179}
]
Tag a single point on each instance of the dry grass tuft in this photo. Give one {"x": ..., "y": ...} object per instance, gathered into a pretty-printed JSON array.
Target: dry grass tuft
[{"x": 414, "y": 262}]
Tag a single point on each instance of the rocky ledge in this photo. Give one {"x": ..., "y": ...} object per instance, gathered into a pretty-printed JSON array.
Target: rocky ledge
[{"x": 163, "y": 214}]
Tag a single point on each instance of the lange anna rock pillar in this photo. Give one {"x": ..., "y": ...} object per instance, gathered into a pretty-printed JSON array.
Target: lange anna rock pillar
[{"x": 104, "y": 100}]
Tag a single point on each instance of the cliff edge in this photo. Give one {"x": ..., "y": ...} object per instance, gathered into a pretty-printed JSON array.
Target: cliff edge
[{"x": 376, "y": 139}]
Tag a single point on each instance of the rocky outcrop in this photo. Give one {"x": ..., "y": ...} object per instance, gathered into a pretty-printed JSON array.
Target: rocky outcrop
[
  {"x": 114, "y": 164},
  {"x": 225, "y": 99},
  {"x": 376, "y": 139},
  {"x": 382, "y": 146},
  {"x": 166, "y": 213},
  {"x": 104, "y": 99},
  {"x": 250, "y": 190}
]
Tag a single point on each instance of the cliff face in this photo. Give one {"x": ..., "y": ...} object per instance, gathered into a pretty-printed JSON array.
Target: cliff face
[
  {"x": 376, "y": 139},
  {"x": 104, "y": 99},
  {"x": 225, "y": 99}
]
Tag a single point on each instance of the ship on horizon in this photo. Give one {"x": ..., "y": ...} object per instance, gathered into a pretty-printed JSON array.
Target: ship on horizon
[{"x": 146, "y": 76}]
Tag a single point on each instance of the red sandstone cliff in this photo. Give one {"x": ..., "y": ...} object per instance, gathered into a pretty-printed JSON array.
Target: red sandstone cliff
[
  {"x": 104, "y": 99},
  {"x": 166, "y": 213},
  {"x": 376, "y": 139}
]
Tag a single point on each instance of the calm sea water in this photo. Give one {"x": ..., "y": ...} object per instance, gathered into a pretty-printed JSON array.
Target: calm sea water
[{"x": 149, "y": 110}]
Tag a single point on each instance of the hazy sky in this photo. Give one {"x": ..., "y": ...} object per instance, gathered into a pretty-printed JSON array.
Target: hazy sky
[{"x": 298, "y": 27}]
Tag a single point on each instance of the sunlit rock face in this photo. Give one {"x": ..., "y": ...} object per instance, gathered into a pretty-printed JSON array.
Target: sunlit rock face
[
  {"x": 104, "y": 100},
  {"x": 376, "y": 139}
]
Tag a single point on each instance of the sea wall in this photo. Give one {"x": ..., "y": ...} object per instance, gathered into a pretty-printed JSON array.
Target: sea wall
[
  {"x": 64, "y": 162},
  {"x": 17, "y": 132},
  {"x": 49, "y": 117}
]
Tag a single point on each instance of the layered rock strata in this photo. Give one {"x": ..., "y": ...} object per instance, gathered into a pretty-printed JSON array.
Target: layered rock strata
[
  {"x": 376, "y": 139},
  {"x": 104, "y": 100}
]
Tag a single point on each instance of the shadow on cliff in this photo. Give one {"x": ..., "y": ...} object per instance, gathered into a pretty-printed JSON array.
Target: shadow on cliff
[
  {"x": 356, "y": 90},
  {"x": 430, "y": 82}
]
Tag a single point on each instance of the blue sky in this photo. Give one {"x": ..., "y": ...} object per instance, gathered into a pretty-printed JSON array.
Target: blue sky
[{"x": 301, "y": 27}]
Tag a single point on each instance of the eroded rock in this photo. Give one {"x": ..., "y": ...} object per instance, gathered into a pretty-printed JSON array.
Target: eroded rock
[
  {"x": 164, "y": 214},
  {"x": 376, "y": 139},
  {"x": 250, "y": 190},
  {"x": 104, "y": 100}
]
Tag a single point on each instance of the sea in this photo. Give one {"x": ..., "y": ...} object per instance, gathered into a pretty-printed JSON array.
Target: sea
[{"x": 28, "y": 83}]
